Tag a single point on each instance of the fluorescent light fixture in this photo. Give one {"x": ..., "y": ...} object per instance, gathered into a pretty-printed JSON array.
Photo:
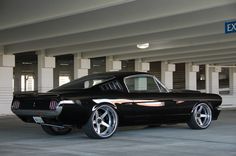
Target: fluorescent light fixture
[
  {"x": 27, "y": 63},
  {"x": 64, "y": 64},
  {"x": 143, "y": 45}
]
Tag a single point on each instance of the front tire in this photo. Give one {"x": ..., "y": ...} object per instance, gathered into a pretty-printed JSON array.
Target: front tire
[
  {"x": 201, "y": 116},
  {"x": 56, "y": 130},
  {"x": 102, "y": 123}
]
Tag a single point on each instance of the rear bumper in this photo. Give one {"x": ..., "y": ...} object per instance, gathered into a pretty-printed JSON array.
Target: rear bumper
[{"x": 42, "y": 113}]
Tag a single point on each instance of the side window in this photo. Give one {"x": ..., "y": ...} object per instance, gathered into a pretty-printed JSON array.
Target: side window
[{"x": 141, "y": 84}]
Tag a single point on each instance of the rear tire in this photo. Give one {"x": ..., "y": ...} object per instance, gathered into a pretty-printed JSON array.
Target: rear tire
[
  {"x": 55, "y": 130},
  {"x": 201, "y": 117},
  {"x": 102, "y": 123}
]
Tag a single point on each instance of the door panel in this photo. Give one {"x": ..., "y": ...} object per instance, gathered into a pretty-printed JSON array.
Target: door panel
[
  {"x": 148, "y": 103},
  {"x": 154, "y": 107}
]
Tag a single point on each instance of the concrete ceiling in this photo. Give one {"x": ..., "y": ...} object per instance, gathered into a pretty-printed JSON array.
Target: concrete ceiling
[{"x": 177, "y": 30}]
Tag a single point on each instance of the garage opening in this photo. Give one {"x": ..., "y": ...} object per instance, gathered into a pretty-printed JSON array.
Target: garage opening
[{"x": 25, "y": 72}]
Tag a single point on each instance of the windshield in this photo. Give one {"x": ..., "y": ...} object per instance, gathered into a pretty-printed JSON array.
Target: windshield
[{"x": 82, "y": 83}]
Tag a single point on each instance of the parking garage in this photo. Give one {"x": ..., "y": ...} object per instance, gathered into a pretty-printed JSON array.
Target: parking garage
[{"x": 186, "y": 44}]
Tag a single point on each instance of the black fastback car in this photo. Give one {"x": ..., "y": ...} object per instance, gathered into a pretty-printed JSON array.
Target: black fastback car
[{"x": 100, "y": 102}]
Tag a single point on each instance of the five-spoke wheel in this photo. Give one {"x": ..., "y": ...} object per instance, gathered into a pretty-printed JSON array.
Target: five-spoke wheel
[
  {"x": 201, "y": 117},
  {"x": 102, "y": 123}
]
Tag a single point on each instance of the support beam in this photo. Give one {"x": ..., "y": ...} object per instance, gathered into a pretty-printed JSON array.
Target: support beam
[
  {"x": 21, "y": 13},
  {"x": 167, "y": 74},
  {"x": 112, "y": 65},
  {"x": 191, "y": 76},
  {"x": 207, "y": 77},
  {"x": 81, "y": 66},
  {"x": 232, "y": 81},
  {"x": 101, "y": 35},
  {"x": 214, "y": 79},
  {"x": 45, "y": 71},
  {"x": 128, "y": 41},
  {"x": 159, "y": 52},
  {"x": 227, "y": 63},
  {"x": 189, "y": 56},
  {"x": 101, "y": 19},
  {"x": 7, "y": 62},
  {"x": 220, "y": 56},
  {"x": 141, "y": 66},
  {"x": 221, "y": 60},
  {"x": 1, "y": 50}
]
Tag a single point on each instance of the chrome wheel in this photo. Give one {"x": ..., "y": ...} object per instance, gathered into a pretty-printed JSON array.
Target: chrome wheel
[
  {"x": 103, "y": 122},
  {"x": 201, "y": 116}
]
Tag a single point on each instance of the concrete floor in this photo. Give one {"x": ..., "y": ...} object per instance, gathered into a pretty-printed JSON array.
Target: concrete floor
[{"x": 18, "y": 138}]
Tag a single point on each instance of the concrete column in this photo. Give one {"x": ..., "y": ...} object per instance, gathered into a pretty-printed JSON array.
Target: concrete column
[
  {"x": 191, "y": 76},
  {"x": 1, "y": 50},
  {"x": 112, "y": 65},
  {"x": 7, "y": 62},
  {"x": 141, "y": 66},
  {"x": 167, "y": 74},
  {"x": 232, "y": 81},
  {"x": 207, "y": 78},
  {"x": 214, "y": 79},
  {"x": 56, "y": 77},
  {"x": 45, "y": 72},
  {"x": 81, "y": 66}
]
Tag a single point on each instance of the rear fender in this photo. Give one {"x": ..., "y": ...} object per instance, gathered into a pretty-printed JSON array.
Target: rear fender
[{"x": 104, "y": 103}]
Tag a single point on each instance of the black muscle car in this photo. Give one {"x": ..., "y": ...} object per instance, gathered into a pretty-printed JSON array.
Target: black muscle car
[{"x": 100, "y": 102}]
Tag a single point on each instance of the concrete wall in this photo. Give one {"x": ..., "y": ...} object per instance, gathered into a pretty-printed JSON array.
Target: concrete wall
[{"x": 7, "y": 62}]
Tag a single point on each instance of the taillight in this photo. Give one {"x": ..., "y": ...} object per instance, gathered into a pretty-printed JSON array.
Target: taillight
[
  {"x": 53, "y": 105},
  {"x": 15, "y": 104}
]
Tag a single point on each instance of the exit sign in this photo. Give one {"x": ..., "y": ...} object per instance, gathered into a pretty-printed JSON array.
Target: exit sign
[{"x": 230, "y": 27}]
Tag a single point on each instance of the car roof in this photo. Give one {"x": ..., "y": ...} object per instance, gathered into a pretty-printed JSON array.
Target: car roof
[
  {"x": 116, "y": 74},
  {"x": 106, "y": 75}
]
